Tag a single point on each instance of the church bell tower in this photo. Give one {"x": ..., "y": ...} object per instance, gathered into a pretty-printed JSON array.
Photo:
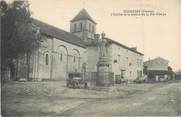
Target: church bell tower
[{"x": 83, "y": 26}]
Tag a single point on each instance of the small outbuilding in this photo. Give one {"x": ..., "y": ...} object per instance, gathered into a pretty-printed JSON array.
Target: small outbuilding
[
  {"x": 178, "y": 75},
  {"x": 158, "y": 70}
]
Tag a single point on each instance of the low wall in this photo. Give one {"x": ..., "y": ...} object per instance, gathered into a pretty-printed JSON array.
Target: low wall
[{"x": 99, "y": 78}]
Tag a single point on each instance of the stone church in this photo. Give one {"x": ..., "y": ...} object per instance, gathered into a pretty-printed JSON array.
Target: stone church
[{"x": 79, "y": 50}]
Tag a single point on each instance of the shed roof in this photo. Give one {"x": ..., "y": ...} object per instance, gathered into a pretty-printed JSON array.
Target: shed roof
[
  {"x": 157, "y": 58},
  {"x": 159, "y": 72}
]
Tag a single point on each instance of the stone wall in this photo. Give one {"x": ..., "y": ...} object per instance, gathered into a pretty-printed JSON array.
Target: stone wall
[
  {"x": 67, "y": 58},
  {"x": 92, "y": 58},
  {"x": 54, "y": 60},
  {"x": 125, "y": 63}
]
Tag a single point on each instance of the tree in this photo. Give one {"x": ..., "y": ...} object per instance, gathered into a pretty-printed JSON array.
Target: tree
[{"x": 19, "y": 35}]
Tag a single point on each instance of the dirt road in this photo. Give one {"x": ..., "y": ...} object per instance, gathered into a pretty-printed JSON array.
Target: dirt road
[
  {"x": 164, "y": 100},
  {"x": 159, "y": 99}
]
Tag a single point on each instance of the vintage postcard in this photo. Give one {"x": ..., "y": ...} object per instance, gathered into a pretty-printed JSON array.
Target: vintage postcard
[{"x": 90, "y": 58}]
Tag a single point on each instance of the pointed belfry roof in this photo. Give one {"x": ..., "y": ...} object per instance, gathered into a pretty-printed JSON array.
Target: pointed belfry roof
[{"x": 82, "y": 15}]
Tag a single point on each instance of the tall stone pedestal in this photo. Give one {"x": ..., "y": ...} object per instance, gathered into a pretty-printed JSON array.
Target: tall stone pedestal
[{"x": 104, "y": 77}]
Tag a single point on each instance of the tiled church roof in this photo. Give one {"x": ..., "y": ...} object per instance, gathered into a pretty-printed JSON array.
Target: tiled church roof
[
  {"x": 58, "y": 33},
  {"x": 83, "y": 14}
]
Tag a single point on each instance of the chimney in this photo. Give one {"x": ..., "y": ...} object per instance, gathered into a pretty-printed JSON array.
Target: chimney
[
  {"x": 134, "y": 48},
  {"x": 103, "y": 35}
]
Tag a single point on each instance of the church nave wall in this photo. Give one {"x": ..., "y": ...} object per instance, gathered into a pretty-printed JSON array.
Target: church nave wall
[{"x": 58, "y": 58}]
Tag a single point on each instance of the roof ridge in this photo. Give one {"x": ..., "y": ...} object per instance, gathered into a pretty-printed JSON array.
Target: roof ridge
[
  {"x": 58, "y": 33},
  {"x": 50, "y": 25},
  {"x": 129, "y": 48},
  {"x": 82, "y": 14}
]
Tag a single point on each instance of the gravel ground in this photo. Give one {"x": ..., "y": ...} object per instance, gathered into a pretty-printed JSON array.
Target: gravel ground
[
  {"x": 39, "y": 89},
  {"x": 52, "y": 98}
]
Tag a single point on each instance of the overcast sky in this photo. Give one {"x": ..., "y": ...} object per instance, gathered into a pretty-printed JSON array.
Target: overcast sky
[{"x": 152, "y": 35}]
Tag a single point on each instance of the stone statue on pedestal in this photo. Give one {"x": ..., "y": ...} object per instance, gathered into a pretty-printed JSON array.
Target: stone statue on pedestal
[
  {"x": 103, "y": 64},
  {"x": 102, "y": 46}
]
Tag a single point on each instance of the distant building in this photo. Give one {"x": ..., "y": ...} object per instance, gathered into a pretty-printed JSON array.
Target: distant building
[
  {"x": 157, "y": 69},
  {"x": 178, "y": 75}
]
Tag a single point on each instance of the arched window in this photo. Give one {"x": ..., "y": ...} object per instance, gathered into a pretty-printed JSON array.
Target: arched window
[
  {"x": 93, "y": 29},
  {"x": 61, "y": 57},
  {"x": 80, "y": 26},
  {"x": 130, "y": 73},
  {"x": 89, "y": 27},
  {"x": 74, "y": 59},
  {"x": 46, "y": 59},
  {"x": 75, "y": 27}
]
